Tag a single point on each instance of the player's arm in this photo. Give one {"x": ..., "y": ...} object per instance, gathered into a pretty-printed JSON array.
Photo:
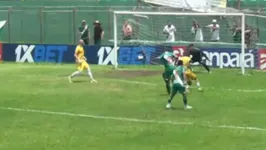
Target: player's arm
[
  {"x": 168, "y": 59},
  {"x": 76, "y": 54},
  {"x": 102, "y": 33},
  {"x": 184, "y": 76},
  {"x": 164, "y": 30},
  {"x": 84, "y": 58}
]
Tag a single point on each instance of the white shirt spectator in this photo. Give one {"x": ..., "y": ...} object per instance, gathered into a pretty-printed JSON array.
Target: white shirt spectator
[
  {"x": 215, "y": 30},
  {"x": 170, "y": 31},
  {"x": 197, "y": 31}
]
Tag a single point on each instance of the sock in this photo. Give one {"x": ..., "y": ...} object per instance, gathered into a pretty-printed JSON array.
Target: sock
[
  {"x": 75, "y": 74},
  {"x": 90, "y": 74},
  {"x": 198, "y": 84},
  {"x": 185, "y": 99},
  {"x": 167, "y": 84},
  {"x": 168, "y": 88},
  {"x": 174, "y": 91}
]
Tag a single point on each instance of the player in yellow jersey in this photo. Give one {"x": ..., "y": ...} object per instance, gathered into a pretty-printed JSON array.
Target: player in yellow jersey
[
  {"x": 188, "y": 72},
  {"x": 81, "y": 61}
]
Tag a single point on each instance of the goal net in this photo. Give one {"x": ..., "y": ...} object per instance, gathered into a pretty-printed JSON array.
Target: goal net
[{"x": 148, "y": 39}]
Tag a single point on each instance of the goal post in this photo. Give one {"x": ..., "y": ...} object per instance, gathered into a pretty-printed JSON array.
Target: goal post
[{"x": 144, "y": 14}]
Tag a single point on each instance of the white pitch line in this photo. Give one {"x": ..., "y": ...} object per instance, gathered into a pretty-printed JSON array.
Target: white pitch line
[{"x": 132, "y": 119}]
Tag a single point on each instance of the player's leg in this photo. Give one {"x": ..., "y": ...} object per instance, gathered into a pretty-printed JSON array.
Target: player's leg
[
  {"x": 182, "y": 90},
  {"x": 172, "y": 95},
  {"x": 166, "y": 79},
  {"x": 76, "y": 73},
  {"x": 192, "y": 76},
  {"x": 85, "y": 65},
  {"x": 184, "y": 95},
  {"x": 205, "y": 66},
  {"x": 199, "y": 60}
]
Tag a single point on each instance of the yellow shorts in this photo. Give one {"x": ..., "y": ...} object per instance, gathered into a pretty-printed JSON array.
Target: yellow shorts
[
  {"x": 82, "y": 66},
  {"x": 190, "y": 75}
]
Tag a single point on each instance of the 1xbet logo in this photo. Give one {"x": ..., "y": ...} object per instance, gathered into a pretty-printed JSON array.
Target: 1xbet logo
[{"x": 23, "y": 53}]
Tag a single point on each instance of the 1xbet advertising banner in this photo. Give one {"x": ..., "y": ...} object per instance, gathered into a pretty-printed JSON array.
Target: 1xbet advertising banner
[
  {"x": 102, "y": 55},
  {"x": 127, "y": 55},
  {"x": 132, "y": 55},
  {"x": 1, "y": 51},
  {"x": 262, "y": 59},
  {"x": 55, "y": 53}
]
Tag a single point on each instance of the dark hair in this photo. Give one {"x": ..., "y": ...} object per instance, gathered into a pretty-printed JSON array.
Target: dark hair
[
  {"x": 190, "y": 45},
  {"x": 179, "y": 63}
]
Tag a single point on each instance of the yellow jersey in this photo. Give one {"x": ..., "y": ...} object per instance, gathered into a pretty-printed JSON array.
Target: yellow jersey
[
  {"x": 80, "y": 52},
  {"x": 186, "y": 60}
]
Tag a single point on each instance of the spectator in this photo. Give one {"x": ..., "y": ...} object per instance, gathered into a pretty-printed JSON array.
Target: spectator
[
  {"x": 251, "y": 35},
  {"x": 215, "y": 30},
  {"x": 98, "y": 33},
  {"x": 127, "y": 31},
  {"x": 85, "y": 33},
  {"x": 169, "y": 30},
  {"x": 236, "y": 33},
  {"x": 197, "y": 31}
]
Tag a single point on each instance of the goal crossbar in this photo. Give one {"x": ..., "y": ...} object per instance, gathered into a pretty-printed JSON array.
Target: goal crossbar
[
  {"x": 177, "y": 13},
  {"x": 242, "y": 15}
]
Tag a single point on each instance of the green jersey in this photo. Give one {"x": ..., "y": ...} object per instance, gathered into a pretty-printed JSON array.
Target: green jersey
[
  {"x": 180, "y": 72},
  {"x": 163, "y": 57}
]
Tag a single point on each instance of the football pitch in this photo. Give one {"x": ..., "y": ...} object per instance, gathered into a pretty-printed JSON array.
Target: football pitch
[{"x": 41, "y": 110}]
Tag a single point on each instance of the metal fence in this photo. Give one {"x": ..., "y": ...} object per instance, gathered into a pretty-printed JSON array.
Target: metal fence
[
  {"x": 53, "y": 24},
  {"x": 59, "y": 25}
]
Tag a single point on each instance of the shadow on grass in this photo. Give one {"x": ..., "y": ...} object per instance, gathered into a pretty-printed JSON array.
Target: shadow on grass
[
  {"x": 175, "y": 108},
  {"x": 80, "y": 81}
]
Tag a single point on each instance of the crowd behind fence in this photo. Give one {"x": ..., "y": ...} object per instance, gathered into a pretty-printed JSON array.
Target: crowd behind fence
[{"x": 59, "y": 25}]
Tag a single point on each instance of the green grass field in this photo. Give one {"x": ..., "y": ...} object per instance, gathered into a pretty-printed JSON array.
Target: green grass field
[{"x": 41, "y": 110}]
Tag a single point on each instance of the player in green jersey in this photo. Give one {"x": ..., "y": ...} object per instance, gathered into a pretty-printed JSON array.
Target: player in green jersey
[
  {"x": 168, "y": 59},
  {"x": 178, "y": 85}
]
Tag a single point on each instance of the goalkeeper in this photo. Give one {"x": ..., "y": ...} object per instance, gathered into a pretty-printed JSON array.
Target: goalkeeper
[
  {"x": 196, "y": 56},
  {"x": 168, "y": 59}
]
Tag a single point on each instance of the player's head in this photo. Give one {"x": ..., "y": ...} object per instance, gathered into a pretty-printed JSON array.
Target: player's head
[
  {"x": 83, "y": 23},
  {"x": 194, "y": 22},
  {"x": 97, "y": 23},
  {"x": 169, "y": 23},
  {"x": 190, "y": 46},
  {"x": 176, "y": 53},
  {"x": 81, "y": 42},
  {"x": 214, "y": 21},
  {"x": 179, "y": 63}
]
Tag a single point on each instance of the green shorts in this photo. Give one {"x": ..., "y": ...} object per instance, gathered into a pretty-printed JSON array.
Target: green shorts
[
  {"x": 169, "y": 72},
  {"x": 177, "y": 87}
]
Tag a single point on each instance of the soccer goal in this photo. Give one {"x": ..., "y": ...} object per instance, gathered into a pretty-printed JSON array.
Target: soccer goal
[{"x": 149, "y": 40}]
